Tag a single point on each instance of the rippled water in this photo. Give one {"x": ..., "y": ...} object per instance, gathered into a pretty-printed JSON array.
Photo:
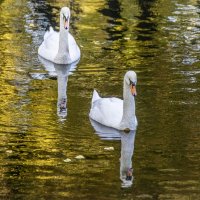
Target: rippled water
[{"x": 160, "y": 41}]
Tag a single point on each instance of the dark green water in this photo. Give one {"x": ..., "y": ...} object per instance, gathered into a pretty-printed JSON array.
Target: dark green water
[{"x": 160, "y": 40}]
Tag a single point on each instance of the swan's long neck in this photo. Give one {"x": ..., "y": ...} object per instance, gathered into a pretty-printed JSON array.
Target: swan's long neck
[
  {"x": 128, "y": 118},
  {"x": 63, "y": 56}
]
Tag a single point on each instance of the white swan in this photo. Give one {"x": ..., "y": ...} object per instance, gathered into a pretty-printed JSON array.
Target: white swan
[
  {"x": 114, "y": 112},
  {"x": 60, "y": 47}
]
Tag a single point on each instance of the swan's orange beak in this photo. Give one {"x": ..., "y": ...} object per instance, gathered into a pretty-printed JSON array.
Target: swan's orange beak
[{"x": 133, "y": 89}]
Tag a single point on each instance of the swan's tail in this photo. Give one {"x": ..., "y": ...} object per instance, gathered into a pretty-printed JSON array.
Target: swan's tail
[{"x": 95, "y": 96}]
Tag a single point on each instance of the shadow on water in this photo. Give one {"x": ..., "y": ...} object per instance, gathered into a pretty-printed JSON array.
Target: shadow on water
[
  {"x": 44, "y": 11},
  {"x": 115, "y": 28},
  {"x": 47, "y": 11},
  {"x": 146, "y": 27},
  {"x": 122, "y": 34}
]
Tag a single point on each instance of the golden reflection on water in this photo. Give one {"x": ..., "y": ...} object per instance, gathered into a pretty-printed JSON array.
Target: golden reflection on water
[{"x": 150, "y": 37}]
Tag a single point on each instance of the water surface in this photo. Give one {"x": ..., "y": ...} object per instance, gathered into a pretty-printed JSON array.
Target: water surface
[{"x": 157, "y": 39}]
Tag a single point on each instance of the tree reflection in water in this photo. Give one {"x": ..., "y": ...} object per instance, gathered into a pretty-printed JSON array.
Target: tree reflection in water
[{"x": 146, "y": 26}]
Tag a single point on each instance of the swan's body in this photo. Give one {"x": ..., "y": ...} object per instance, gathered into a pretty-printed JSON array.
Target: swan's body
[
  {"x": 60, "y": 47},
  {"x": 114, "y": 112}
]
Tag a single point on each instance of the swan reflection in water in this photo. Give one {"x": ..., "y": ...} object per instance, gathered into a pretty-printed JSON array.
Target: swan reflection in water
[
  {"x": 61, "y": 72},
  {"x": 127, "y": 149}
]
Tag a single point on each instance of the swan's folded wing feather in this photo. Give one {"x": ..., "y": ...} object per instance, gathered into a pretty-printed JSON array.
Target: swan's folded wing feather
[
  {"x": 95, "y": 96},
  {"x": 52, "y": 41},
  {"x": 74, "y": 50},
  {"x": 48, "y": 33},
  {"x": 107, "y": 111},
  {"x": 49, "y": 47}
]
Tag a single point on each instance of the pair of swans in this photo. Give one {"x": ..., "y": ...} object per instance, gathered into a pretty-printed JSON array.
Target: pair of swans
[
  {"x": 113, "y": 115},
  {"x": 61, "y": 48}
]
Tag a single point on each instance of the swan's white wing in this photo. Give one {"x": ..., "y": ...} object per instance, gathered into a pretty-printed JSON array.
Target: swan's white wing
[
  {"x": 107, "y": 111},
  {"x": 51, "y": 40},
  {"x": 49, "y": 47},
  {"x": 74, "y": 50},
  {"x": 95, "y": 96},
  {"x": 48, "y": 33}
]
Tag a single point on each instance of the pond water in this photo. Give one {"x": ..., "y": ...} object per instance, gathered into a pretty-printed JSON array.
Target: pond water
[{"x": 160, "y": 41}]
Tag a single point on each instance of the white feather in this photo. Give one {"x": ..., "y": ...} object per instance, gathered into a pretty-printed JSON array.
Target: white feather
[{"x": 107, "y": 111}]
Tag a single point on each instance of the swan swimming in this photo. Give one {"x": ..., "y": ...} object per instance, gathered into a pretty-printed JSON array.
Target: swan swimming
[
  {"x": 60, "y": 47},
  {"x": 114, "y": 112}
]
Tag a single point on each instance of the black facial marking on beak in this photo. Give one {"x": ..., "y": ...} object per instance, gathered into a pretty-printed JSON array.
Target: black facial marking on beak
[
  {"x": 65, "y": 22},
  {"x": 132, "y": 83}
]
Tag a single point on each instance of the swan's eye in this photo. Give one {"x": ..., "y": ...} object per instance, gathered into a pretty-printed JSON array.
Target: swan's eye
[{"x": 132, "y": 83}]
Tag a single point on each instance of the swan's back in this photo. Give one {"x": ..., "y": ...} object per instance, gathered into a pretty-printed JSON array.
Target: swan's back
[
  {"x": 74, "y": 50},
  {"x": 107, "y": 111},
  {"x": 49, "y": 47}
]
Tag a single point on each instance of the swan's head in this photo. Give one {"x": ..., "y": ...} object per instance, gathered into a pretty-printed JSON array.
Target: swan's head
[
  {"x": 65, "y": 16},
  {"x": 131, "y": 80}
]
